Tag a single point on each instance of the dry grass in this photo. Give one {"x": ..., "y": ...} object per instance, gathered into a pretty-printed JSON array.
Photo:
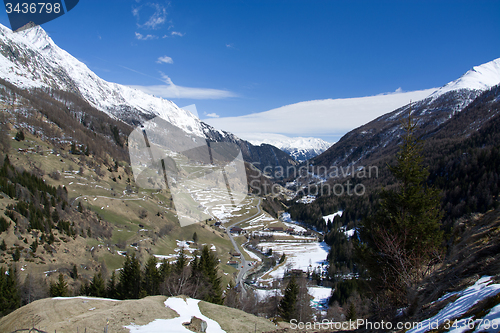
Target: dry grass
[
  {"x": 233, "y": 320},
  {"x": 70, "y": 315},
  {"x": 90, "y": 315}
]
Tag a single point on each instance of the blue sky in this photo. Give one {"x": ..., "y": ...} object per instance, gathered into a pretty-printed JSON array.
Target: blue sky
[{"x": 253, "y": 56}]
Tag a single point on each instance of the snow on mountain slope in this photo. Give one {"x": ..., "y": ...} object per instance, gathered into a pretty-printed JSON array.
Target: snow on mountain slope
[
  {"x": 31, "y": 59},
  {"x": 370, "y": 142},
  {"x": 466, "y": 299},
  {"x": 480, "y": 77},
  {"x": 301, "y": 149}
]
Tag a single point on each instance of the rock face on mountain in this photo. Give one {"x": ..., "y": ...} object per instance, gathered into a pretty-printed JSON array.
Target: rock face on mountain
[
  {"x": 369, "y": 143},
  {"x": 30, "y": 59}
]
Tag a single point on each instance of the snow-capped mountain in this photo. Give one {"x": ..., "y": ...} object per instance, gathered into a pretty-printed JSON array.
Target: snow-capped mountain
[
  {"x": 379, "y": 138},
  {"x": 301, "y": 149},
  {"x": 480, "y": 77},
  {"x": 30, "y": 58}
]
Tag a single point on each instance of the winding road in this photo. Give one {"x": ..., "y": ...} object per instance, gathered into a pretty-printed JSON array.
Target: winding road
[{"x": 244, "y": 267}]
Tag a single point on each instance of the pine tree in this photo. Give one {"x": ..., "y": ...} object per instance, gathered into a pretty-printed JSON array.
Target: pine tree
[
  {"x": 111, "y": 291},
  {"x": 19, "y": 136},
  {"x": 16, "y": 255},
  {"x": 165, "y": 269},
  {"x": 181, "y": 261},
  {"x": 60, "y": 288},
  {"x": 196, "y": 273},
  {"x": 403, "y": 237},
  {"x": 74, "y": 149},
  {"x": 34, "y": 246},
  {"x": 9, "y": 291},
  {"x": 282, "y": 258},
  {"x": 286, "y": 308},
  {"x": 208, "y": 265},
  {"x": 4, "y": 225},
  {"x": 74, "y": 272},
  {"x": 129, "y": 286},
  {"x": 351, "y": 312},
  {"x": 97, "y": 286},
  {"x": 151, "y": 280}
]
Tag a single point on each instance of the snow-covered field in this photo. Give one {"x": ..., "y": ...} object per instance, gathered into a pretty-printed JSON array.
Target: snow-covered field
[
  {"x": 296, "y": 228},
  {"x": 304, "y": 256},
  {"x": 215, "y": 201},
  {"x": 186, "y": 309},
  {"x": 319, "y": 294}
]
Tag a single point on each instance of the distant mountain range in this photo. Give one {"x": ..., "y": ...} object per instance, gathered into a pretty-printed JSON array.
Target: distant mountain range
[{"x": 301, "y": 149}]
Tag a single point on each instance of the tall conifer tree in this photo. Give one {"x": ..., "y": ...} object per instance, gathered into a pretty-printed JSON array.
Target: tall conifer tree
[
  {"x": 9, "y": 291},
  {"x": 287, "y": 306},
  {"x": 208, "y": 265},
  {"x": 152, "y": 276},
  {"x": 403, "y": 238},
  {"x": 129, "y": 286}
]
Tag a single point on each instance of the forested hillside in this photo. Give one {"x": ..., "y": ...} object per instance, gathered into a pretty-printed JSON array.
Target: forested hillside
[{"x": 462, "y": 156}]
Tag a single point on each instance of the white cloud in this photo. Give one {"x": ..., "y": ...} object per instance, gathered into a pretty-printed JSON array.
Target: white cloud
[
  {"x": 329, "y": 119},
  {"x": 155, "y": 20},
  {"x": 165, "y": 59},
  {"x": 212, "y": 115},
  {"x": 177, "y": 33},
  {"x": 171, "y": 90},
  {"x": 140, "y": 36}
]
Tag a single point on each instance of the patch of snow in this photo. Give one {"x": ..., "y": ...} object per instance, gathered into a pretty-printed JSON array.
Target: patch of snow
[
  {"x": 482, "y": 289},
  {"x": 251, "y": 254},
  {"x": 332, "y": 216},
  {"x": 88, "y": 298},
  {"x": 185, "y": 309},
  {"x": 320, "y": 296},
  {"x": 307, "y": 199}
]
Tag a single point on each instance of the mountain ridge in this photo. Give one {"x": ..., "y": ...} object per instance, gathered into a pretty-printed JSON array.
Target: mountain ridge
[
  {"x": 30, "y": 59},
  {"x": 50, "y": 66},
  {"x": 367, "y": 143},
  {"x": 480, "y": 77},
  {"x": 300, "y": 148}
]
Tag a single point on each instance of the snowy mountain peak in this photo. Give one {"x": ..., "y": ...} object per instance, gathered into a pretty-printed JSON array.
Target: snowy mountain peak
[
  {"x": 301, "y": 149},
  {"x": 37, "y": 37},
  {"x": 480, "y": 77},
  {"x": 30, "y": 59},
  {"x": 34, "y": 36}
]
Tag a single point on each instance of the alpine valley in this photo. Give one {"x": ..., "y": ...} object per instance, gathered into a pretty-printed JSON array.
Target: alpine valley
[{"x": 326, "y": 231}]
